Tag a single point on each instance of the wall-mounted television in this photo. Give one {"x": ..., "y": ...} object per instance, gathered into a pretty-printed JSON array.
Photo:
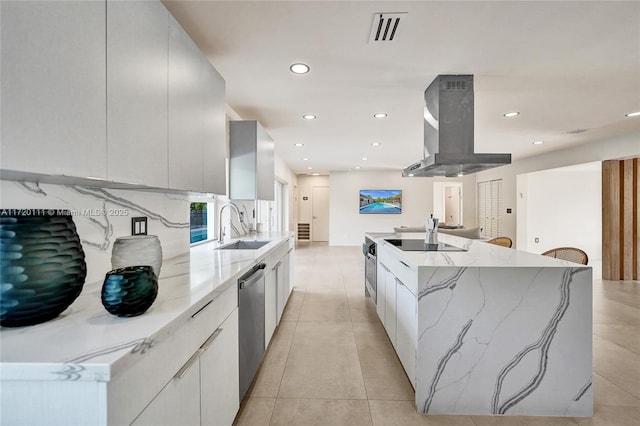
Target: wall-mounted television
[{"x": 380, "y": 201}]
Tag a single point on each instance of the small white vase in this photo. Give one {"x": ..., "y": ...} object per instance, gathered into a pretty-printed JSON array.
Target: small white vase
[{"x": 137, "y": 250}]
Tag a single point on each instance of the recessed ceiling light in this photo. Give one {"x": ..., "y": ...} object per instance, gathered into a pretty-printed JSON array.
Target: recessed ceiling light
[
  {"x": 298, "y": 145},
  {"x": 315, "y": 174},
  {"x": 380, "y": 115},
  {"x": 538, "y": 142},
  {"x": 305, "y": 158},
  {"x": 460, "y": 174},
  {"x": 511, "y": 114},
  {"x": 299, "y": 68},
  {"x": 309, "y": 117},
  {"x": 410, "y": 175},
  {"x": 357, "y": 167},
  {"x": 375, "y": 144},
  {"x": 633, "y": 114},
  {"x": 309, "y": 168},
  {"x": 364, "y": 158}
]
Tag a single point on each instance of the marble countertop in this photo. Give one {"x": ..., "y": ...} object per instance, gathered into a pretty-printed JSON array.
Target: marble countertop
[
  {"x": 479, "y": 253},
  {"x": 87, "y": 337}
]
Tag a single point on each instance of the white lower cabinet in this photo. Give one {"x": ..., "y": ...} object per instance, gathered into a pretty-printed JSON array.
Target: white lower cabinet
[
  {"x": 281, "y": 294},
  {"x": 406, "y": 329},
  {"x": 270, "y": 305},
  {"x": 219, "y": 375},
  {"x": 390, "y": 308},
  {"x": 177, "y": 403},
  {"x": 397, "y": 307}
]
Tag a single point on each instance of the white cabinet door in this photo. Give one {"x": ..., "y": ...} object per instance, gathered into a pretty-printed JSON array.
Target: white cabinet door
[
  {"x": 53, "y": 87},
  {"x": 281, "y": 294},
  {"x": 270, "y": 306},
  {"x": 219, "y": 375},
  {"x": 178, "y": 402},
  {"x": 185, "y": 105},
  {"x": 137, "y": 52},
  {"x": 381, "y": 293},
  {"x": 215, "y": 131},
  {"x": 407, "y": 329},
  {"x": 390, "y": 307}
]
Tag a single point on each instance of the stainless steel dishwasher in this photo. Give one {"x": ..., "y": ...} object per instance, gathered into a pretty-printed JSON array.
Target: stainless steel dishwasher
[{"x": 251, "y": 324}]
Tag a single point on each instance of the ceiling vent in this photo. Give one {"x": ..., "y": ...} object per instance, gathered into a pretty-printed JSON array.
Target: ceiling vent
[{"x": 385, "y": 27}]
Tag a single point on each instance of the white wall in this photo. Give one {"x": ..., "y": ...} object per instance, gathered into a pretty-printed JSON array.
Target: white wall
[
  {"x": 623, "y": 146},
  {"x": 564, "y": 209},
  {"x": 284, "y": 174},
  {"x": 305, "y": 186},
  {"x": 348, "y": 226}
]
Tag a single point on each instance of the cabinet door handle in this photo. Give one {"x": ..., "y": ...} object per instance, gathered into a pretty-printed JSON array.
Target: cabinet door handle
[
  {"x": 399, "y": 282},
  {"x": 405, "y": 264},
  {"x": 187, "y": 365},
  {"x": 210, "y": 340},
  {"x": 202, "y": 309},
  {"x": 277, "y": 265}
]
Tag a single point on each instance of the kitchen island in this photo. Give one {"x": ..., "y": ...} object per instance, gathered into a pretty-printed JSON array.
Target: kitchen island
[{"x": 489, "y": 330}]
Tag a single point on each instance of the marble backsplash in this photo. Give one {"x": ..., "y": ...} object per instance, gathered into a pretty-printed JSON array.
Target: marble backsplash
[{"x": 101, "y": 215}]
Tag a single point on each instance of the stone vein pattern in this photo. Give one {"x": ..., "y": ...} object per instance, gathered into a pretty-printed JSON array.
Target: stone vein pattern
[
  {"x": 101, "y": 215},
  {"x": 505, "y": 340}
]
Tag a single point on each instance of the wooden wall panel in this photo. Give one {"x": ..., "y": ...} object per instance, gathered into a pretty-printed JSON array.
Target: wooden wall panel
[{"x": 621, "y": 221}]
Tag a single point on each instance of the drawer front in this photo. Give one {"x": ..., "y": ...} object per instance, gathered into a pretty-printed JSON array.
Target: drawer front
[
  {"x": 400, "y": 268},
  {"x": 132, "y": 389}
]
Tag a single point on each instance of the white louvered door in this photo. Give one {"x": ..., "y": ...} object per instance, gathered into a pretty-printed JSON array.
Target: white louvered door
[{"x": 490, "y": 205}]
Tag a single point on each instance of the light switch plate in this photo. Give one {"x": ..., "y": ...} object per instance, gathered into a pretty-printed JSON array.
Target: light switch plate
[{"x": 139, "y": 225}]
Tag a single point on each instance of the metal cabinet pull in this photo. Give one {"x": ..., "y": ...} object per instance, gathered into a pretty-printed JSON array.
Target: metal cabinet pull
[
  {"x": 210, "y": 340},
  {"x": 405, "y": 264},
  {"x": 277, "y": 265},
  {"x": 180, "y": 374},
  {"x": 399, "y": 282},
  {"x": 202, "y": 309}
]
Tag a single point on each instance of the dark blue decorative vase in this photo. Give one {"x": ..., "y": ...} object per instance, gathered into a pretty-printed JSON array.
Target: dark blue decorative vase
[
  {"x": 130, "y": 291},
  {"x": 42, "y": 266}
]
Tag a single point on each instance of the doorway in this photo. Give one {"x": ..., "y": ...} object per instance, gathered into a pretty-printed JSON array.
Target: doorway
[
  {"x": 320, "y": 213},
  {"x": 447, "y": 202}
]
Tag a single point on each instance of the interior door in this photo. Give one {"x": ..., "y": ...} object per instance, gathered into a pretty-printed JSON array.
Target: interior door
[{"x": 320, "y": 213}]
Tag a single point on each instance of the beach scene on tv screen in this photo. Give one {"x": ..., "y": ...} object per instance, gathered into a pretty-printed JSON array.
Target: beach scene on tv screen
[{"x": 381, "y": 201}]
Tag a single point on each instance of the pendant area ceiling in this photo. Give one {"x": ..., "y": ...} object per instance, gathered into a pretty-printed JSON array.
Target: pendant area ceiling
[{"x": 565, "y": 66}]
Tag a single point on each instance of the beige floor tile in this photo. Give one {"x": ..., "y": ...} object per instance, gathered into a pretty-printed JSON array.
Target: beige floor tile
[
  {"x": 268, "y": 378},
  {"x": 323, "y": 363},
  {"x": 523, "y": 421},
  {"x": 255, "y": 412},
  {"x": 624, "y": 335},
  {"x": 618, "y": 365},
  {"x": 606, "y": 393},
  {"x": 612, "y": 416},
  {"x": 383, "y": 375},
  {"x": 621, "y": 312},
  {"x": 361, "y": 307},
  {"x": 403, "y": 413},
  {"x": 321, "y": 304},
  {"x": 321, "y": 412},
  {"x": 294, "y": 305}
]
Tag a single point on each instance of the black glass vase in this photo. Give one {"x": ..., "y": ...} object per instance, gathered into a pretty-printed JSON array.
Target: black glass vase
[
  {"x": 42, "y": 265},
  {"x": 130, "y": 291}
]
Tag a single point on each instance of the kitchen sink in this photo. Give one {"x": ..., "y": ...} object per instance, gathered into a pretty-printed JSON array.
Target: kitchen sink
[{"x": 244, "y": 245}]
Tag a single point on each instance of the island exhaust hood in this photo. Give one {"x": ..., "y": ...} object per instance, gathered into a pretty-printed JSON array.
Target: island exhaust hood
[{"x": 448, "y": 132}]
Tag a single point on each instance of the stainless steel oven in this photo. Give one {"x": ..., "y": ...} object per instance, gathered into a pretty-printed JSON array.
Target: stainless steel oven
[{"x": 370, "y": 267}]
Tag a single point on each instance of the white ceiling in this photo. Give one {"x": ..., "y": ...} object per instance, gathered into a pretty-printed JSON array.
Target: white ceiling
[{"x": 563, "y": 65}]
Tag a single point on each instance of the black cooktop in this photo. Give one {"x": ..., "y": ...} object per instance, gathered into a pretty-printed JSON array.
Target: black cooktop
[{"x": 419, "y": 245}]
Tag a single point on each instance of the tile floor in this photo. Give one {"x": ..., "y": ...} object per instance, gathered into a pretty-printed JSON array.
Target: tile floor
[{"x": 330, "y": 362}]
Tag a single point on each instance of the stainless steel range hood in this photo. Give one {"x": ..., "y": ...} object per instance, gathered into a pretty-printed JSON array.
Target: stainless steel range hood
[{"x": 448, "y": 132}]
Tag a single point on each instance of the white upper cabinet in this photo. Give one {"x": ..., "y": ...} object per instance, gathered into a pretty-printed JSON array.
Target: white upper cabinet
[
  {"x": 185, "y": 111},
  {"x": 137, "y": 52},
  {"x": 214, "y": 130},
  {"x": 53, "y": 87},
  {"x": 251, "y": 162}
]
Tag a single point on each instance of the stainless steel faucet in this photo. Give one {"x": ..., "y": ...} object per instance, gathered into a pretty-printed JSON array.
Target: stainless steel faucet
[{"x": 239, "y": 215}]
